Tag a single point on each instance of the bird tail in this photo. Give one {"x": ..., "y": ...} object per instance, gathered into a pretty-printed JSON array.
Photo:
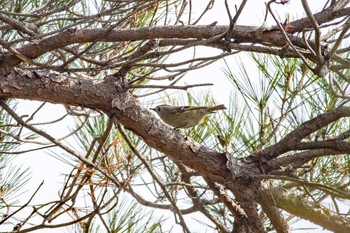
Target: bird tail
[{"x": 217, "y": 107}]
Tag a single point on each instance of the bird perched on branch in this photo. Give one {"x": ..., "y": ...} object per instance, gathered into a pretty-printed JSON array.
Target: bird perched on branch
[{"x": 184, "y": 116}]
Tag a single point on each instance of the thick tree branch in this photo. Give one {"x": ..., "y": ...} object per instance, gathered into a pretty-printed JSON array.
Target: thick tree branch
[
  {"x": 242, "y": 34},
  {"x": 321, "y": 17},
  {"x": 98, "y": 95},
  {"x": 303, "y": 208}
]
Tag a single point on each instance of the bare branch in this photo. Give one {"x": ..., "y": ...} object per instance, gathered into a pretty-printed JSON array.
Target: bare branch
[
  {"x": 293, "y": 138},
  {"x": 317, "y": 31},
  {"x": 185, "y": 88},
  {"x": 303, "y": 208}
]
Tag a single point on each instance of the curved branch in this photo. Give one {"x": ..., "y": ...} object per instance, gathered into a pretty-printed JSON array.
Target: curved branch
[
  {"x": 299, "y": 159},
  {"x": 293, "y": 138}
]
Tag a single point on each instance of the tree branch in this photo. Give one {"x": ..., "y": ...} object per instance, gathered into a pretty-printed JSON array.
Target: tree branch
[
  {"x": 97, "y": 95},
  {"x": 246, "y": 34},
  {"x": 299, "y": 206},
  {"x": 293, "y": 138}
]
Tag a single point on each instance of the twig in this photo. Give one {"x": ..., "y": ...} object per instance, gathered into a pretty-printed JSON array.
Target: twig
[
  {"x": 308, "y": 45},
  {"x": 319, "y": 57},
  {"x": 287, "y": 39},
  {"x": 186, "y": 87},
  {"x": 339, "y": 40},
  {"x": 208, "y": 7},
  {"x": 26, "y": 151},
  {"x": 238, "y": 13},
  {"x": 23, "y": 206}
]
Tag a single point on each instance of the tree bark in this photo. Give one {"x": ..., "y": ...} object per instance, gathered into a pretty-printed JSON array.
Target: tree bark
[
  {"x": 102, "y": 96},
  {"x": 116, "y": 101}
]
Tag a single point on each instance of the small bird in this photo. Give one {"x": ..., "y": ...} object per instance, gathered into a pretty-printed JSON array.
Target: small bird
[{"x": 184, "y": 116}]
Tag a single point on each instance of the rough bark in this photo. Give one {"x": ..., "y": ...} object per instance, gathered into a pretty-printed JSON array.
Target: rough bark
[
  {"x": 117, "y": 101},
  {"x": 242, "y": 34},
  {"x": 102, "y": 96}
]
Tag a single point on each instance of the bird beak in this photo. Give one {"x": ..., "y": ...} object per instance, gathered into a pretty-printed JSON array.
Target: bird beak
[{"x": 153, "y": 109}]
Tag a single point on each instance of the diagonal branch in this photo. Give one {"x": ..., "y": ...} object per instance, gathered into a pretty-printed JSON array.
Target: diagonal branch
[
  {"x": 303, "y": 208},
  {"x": 316, "y": 27},
  {"x": 293, "y": 138},
  {"x": 276, "y": 218}
]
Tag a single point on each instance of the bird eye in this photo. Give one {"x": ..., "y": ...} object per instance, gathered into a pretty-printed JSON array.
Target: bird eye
[{"x": 158, "y": 109}]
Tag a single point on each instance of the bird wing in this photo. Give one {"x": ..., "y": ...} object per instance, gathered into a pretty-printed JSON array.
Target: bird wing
[{"x": 182, "y": 109}]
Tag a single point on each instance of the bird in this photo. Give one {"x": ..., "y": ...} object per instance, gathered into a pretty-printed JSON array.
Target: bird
[{"x": 185, "y": 117}]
